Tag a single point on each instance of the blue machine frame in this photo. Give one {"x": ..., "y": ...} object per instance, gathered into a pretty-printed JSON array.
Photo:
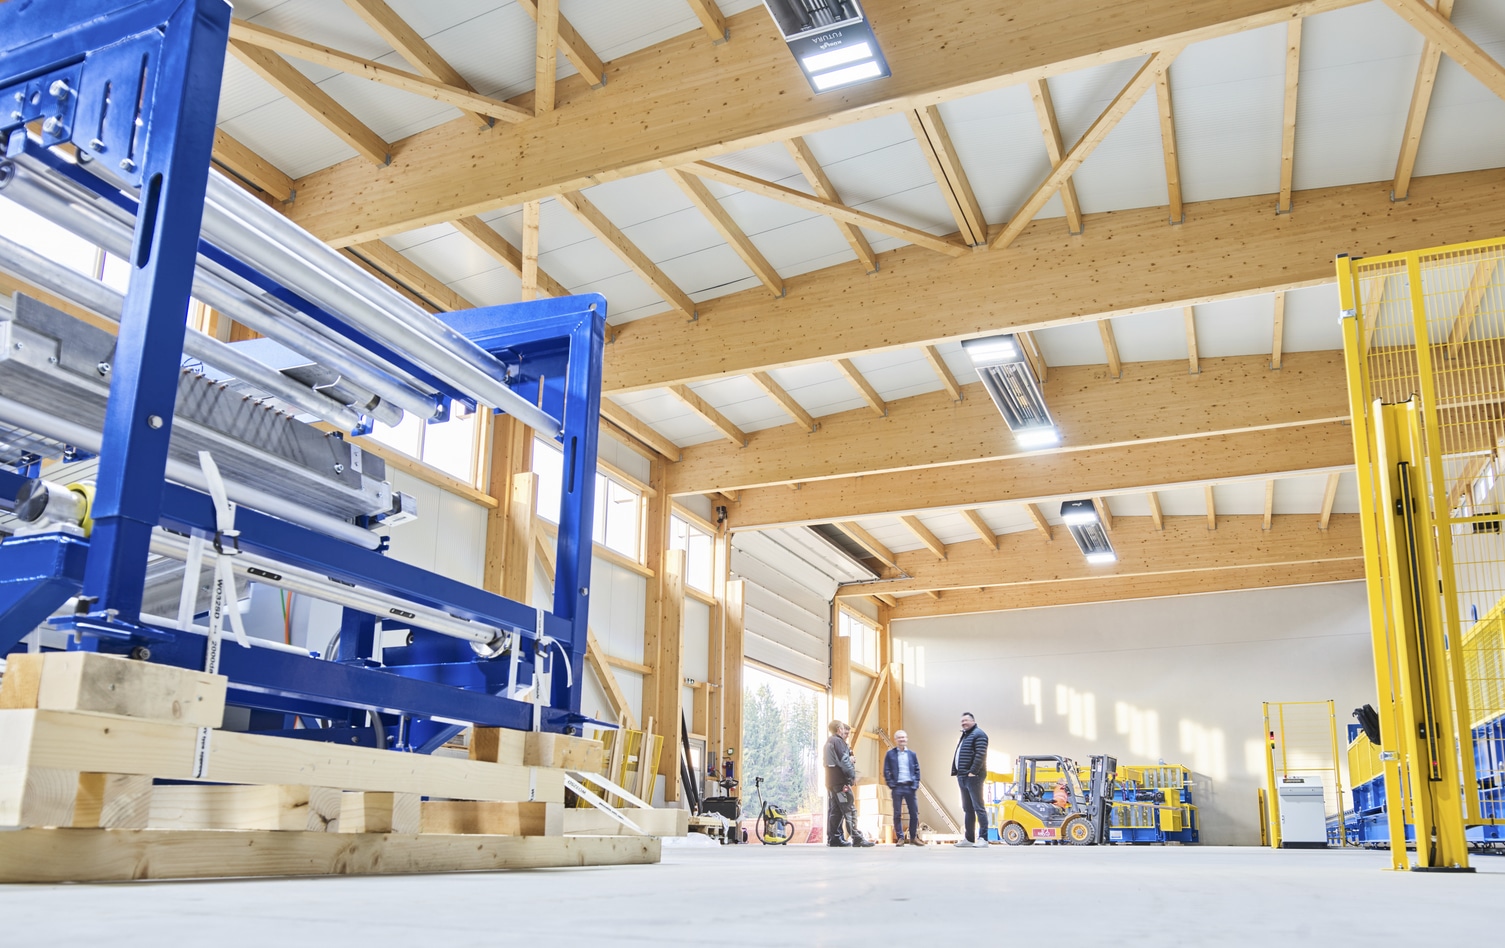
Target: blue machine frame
[{"x": 134, "y": 88}]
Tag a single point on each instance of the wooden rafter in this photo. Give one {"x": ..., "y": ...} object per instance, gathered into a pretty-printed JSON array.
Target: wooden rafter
[
  {"x": 730, "y": 230},
  {"x": 483, "y": 235},
  {"x": 868, "y": 542},
  {"x": 1459, "y": 48},
  {"x": 638, "y": 429},
  {"x": 1038, "y": 519},
  {"x": 1068, "y": 165},
  {"x": 609, "y": 234},
  {"x": 1045, "y": 111},
  {"x": 1329, "y": 495},
  {"x": 923, "y": 534},
  {"x": 1468, "y": 308},
  {"x": 934, "y": 594},
  {"x": 404, "y": 271},
  {"x": 1156, "y": 514},
  {"x": 271, "y": 41},
  {"x": 412, "y": 47},
  {"x": 1372, "y": 306},
  {"x": 1277, "y": 341},
  {"x": 984, "y": 532},
  {"x": 887, "y": 600},
  {"x": 546, "y": 55},
  {"x": 786, "y": 401},
  {"x": 800, "y": 199},
  {"x": 245, "y": 163},
  {"x": 1288, "y": 123},
  {"x": 575, "y": 49},
  {"x": 1104, "y": 513},
  {"x": 930, "y": 131},
  {"x": 1269, "y": 502},
  {"x": 306, "y": 94},
  {"x": 864, "y": 388},
  {"x": 1110, "y": 348},
  {"x": 1191, "y": 339},
  {"x": 1416, "y": 115},
  {"x": 234, "y": 332},
  {"x": 712, "y": 20},
  {"x": 821, "y": 185},
  {"x": 1034, "y": 354},
  {"x": 1168, "y": 147},
  {"x": 1212, "y": 510},
  {"x": 1463, "y": 487},
  {"x": 943, "y": 372},
  {"x": 705, "y": 410},
  {"x": 529, "y": 274}
]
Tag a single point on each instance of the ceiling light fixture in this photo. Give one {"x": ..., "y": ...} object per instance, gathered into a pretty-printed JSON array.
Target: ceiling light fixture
[
  {"x": 1014, "y": 389},
  {"x": 1086, "y": 528},
  {"x": 831, "y": 40}
]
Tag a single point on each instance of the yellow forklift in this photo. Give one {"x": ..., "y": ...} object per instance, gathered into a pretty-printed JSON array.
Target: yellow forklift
[{"x": 1060, "y": 809}]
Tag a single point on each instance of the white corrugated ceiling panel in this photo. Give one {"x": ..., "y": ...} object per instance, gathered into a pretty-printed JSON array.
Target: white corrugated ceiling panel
[
  {"x": 1072, "y": 344},
  {"x": 819, "y": 387},
  {"x": 998, "y": 137},
  {"x": 1149, "y": 337},
  {"x": 1466, "y": 122},
  {"x": 1128, "y": 168},
  {"x": 892, "y": 534},
  {"x": 1243, "y": 326},
  {"x": 1312, "y": 319},
  {"x": 897, "y": 373}
]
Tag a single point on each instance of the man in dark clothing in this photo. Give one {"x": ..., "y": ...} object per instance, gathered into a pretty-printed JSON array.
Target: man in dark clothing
[
  {"x": 969, "y": 765},
  {"x": 841, "y": 812},
  {"x": 901, "y": 771}
]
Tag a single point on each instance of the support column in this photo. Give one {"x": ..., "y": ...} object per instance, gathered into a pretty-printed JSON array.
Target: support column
[
  {"x": 716, "y": 658},
  {"x": 889, "y": 717},
  {"x": 841, "y": 670},
  {"x": 731, "y": 675},
  {"x": 511, "y": 453},
  {"x": 666, "y": 682}
]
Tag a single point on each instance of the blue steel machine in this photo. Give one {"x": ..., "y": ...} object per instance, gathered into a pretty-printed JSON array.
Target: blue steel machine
[{"x": 220, "y": 474}]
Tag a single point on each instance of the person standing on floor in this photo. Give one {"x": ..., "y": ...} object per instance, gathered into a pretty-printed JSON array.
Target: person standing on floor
[
  {"x": 841, "y": 772},
  {"x": 969, "y": 765},
  {"x": 901, "y": 771}
]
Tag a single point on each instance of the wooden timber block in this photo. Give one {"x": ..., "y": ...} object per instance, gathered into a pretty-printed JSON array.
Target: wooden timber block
[
  {"x": 370, "y": 812},
  {"x": 488, "y": 818},
  {"x": 189, "y": 807},
  {"x": 113, "y": 801},
  {"x": 110, "y": 684},
  {"x": 23, "y": 677},
  {"x": 324, "y": 806},
  {"x": 542, "y": 749},
  {"x": 658, "y": 821},
  {"x": 497, "y": 745},
  {"x": 105, "y": 855},
  {"x": 36, "y": 796}
]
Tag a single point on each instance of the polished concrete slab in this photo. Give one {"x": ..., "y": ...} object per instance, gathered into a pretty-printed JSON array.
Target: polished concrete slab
[{"x": 802, "y": 895}]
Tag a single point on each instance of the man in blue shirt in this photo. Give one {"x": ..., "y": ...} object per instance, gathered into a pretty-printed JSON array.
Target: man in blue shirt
[{"x": 901, "y": 771}]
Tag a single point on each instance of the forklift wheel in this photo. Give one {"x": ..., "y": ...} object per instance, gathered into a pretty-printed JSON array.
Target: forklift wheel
[
  {"x": 1014, "y": 835},
  {"x": 1077, "y": 830}
]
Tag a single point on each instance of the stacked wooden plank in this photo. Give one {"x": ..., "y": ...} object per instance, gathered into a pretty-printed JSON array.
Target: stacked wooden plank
[{"x": 116, "y": 769}]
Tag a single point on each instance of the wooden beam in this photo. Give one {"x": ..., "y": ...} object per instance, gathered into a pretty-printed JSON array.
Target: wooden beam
[
  {"x": 1416, "y": 115},
  {"x": 1269, "y": 503},
  {"x": 483, "y": 235},
  {"x": 1288, "y": 123},
  {"x": 404, "y": 271},
  {"x": 1468, "y": 307},
  {"x": 943, "y": 372},
  {"x": 1212, "y": 510},
  {"x": 1125, "y": 588},
  {"x": 786, "y": 401},
  {"x": 930, "y": 132},
  {"x": 1104, "y": 513},
  {"x": 711, "y": 20},
  {"x": 864, "y": 388},
  {"x": 586, "y": 62},
  {"x": 919, "y": 299},
  {"x": 1459, "y": 48},
  {"x": 713, "y": 417},
  {"x": 1184, "y": 546},
  {"x": 745, "y": 94},
  {"x": 1277, "y": 342},
  {"x": 923, "y": 534},
  {"x": 1034, "y": 354},
  {"x": 609, "y": 234},
  {"x": 985, "y": 532},
  {"x": 1191, "y": 338},
  {"x": 305, "y": 94},
  {"x": 840, "y": 212},
  {"x": 234, "y": 332},
  {"x": 545, "y": 58},
  {"x": 640, "y": 430},
  {"x": 522, "y": 502},
  {"x": 1110, "y": 348},
  {"x": 1329, "y": 494},
  {"x": 729, "y": 230},
  {"x": 1462, "y": 488},
  {"x": 870, "y": 702},
  {"x": 804, "y": 159},
  {"x": 1055, "y": 149},
  {"x": 1374, "y": 303},
  {"x": 867, "y": 541},
  {"x": 1068, "y": 165},
  {"x": 1156, "y": 401},
  {"x": 1038, "y": 519},
  {"x": 665, "y": 682},
  {"x": 597, "y": 658},
  {"x": 529, "y": 275},
  {"x": 1156, "y": 515},
  {"x": 1130, "y": 468},
  {"x": 463, "y": 98},
  {"x": 1168, "y": 147},
  {"x": 412, "y": 47},
  {"x": 245, "y": 163}
]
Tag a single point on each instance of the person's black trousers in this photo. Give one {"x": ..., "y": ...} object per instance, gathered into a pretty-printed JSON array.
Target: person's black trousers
[
  {"x": 905, "y": 794},
  {"x": 976, "y": 811}
]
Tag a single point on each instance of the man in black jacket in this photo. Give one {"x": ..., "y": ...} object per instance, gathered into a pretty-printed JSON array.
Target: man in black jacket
[
  {"x": 841, "y": 810},
  {"x": 969, "y": 765}
]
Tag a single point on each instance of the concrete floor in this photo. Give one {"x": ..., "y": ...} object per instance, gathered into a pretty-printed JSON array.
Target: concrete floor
[{"x": 801, "y": 895}]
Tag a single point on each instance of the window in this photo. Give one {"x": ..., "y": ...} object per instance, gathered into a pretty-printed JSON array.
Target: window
[
  {"x": 864, "y": 638},
  {"x": 619, "y": 508},
  {"x": 699, "y": 548},
  {"x": 448, "y": 446}
]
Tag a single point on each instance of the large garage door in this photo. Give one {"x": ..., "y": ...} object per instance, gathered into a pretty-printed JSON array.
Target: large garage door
[{"x": 791, "y": 575}]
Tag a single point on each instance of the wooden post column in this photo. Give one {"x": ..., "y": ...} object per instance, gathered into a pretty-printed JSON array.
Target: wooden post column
[
  {"x": 511, "y": 451},
  {"x": 841, "y": 671},
  {"x": 731, "y": 673}
]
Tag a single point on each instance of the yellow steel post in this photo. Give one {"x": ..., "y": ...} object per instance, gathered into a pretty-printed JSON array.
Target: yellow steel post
[
  {"x": 1271, "y": 804},
  {"x": 1332, "y": 717}
]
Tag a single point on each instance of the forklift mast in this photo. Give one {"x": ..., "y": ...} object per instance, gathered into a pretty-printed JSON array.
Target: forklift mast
[{"x": 1103, "y": 770}]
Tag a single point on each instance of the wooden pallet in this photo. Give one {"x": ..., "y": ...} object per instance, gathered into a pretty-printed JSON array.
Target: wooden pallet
[{"x": 115, "y": 770}]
